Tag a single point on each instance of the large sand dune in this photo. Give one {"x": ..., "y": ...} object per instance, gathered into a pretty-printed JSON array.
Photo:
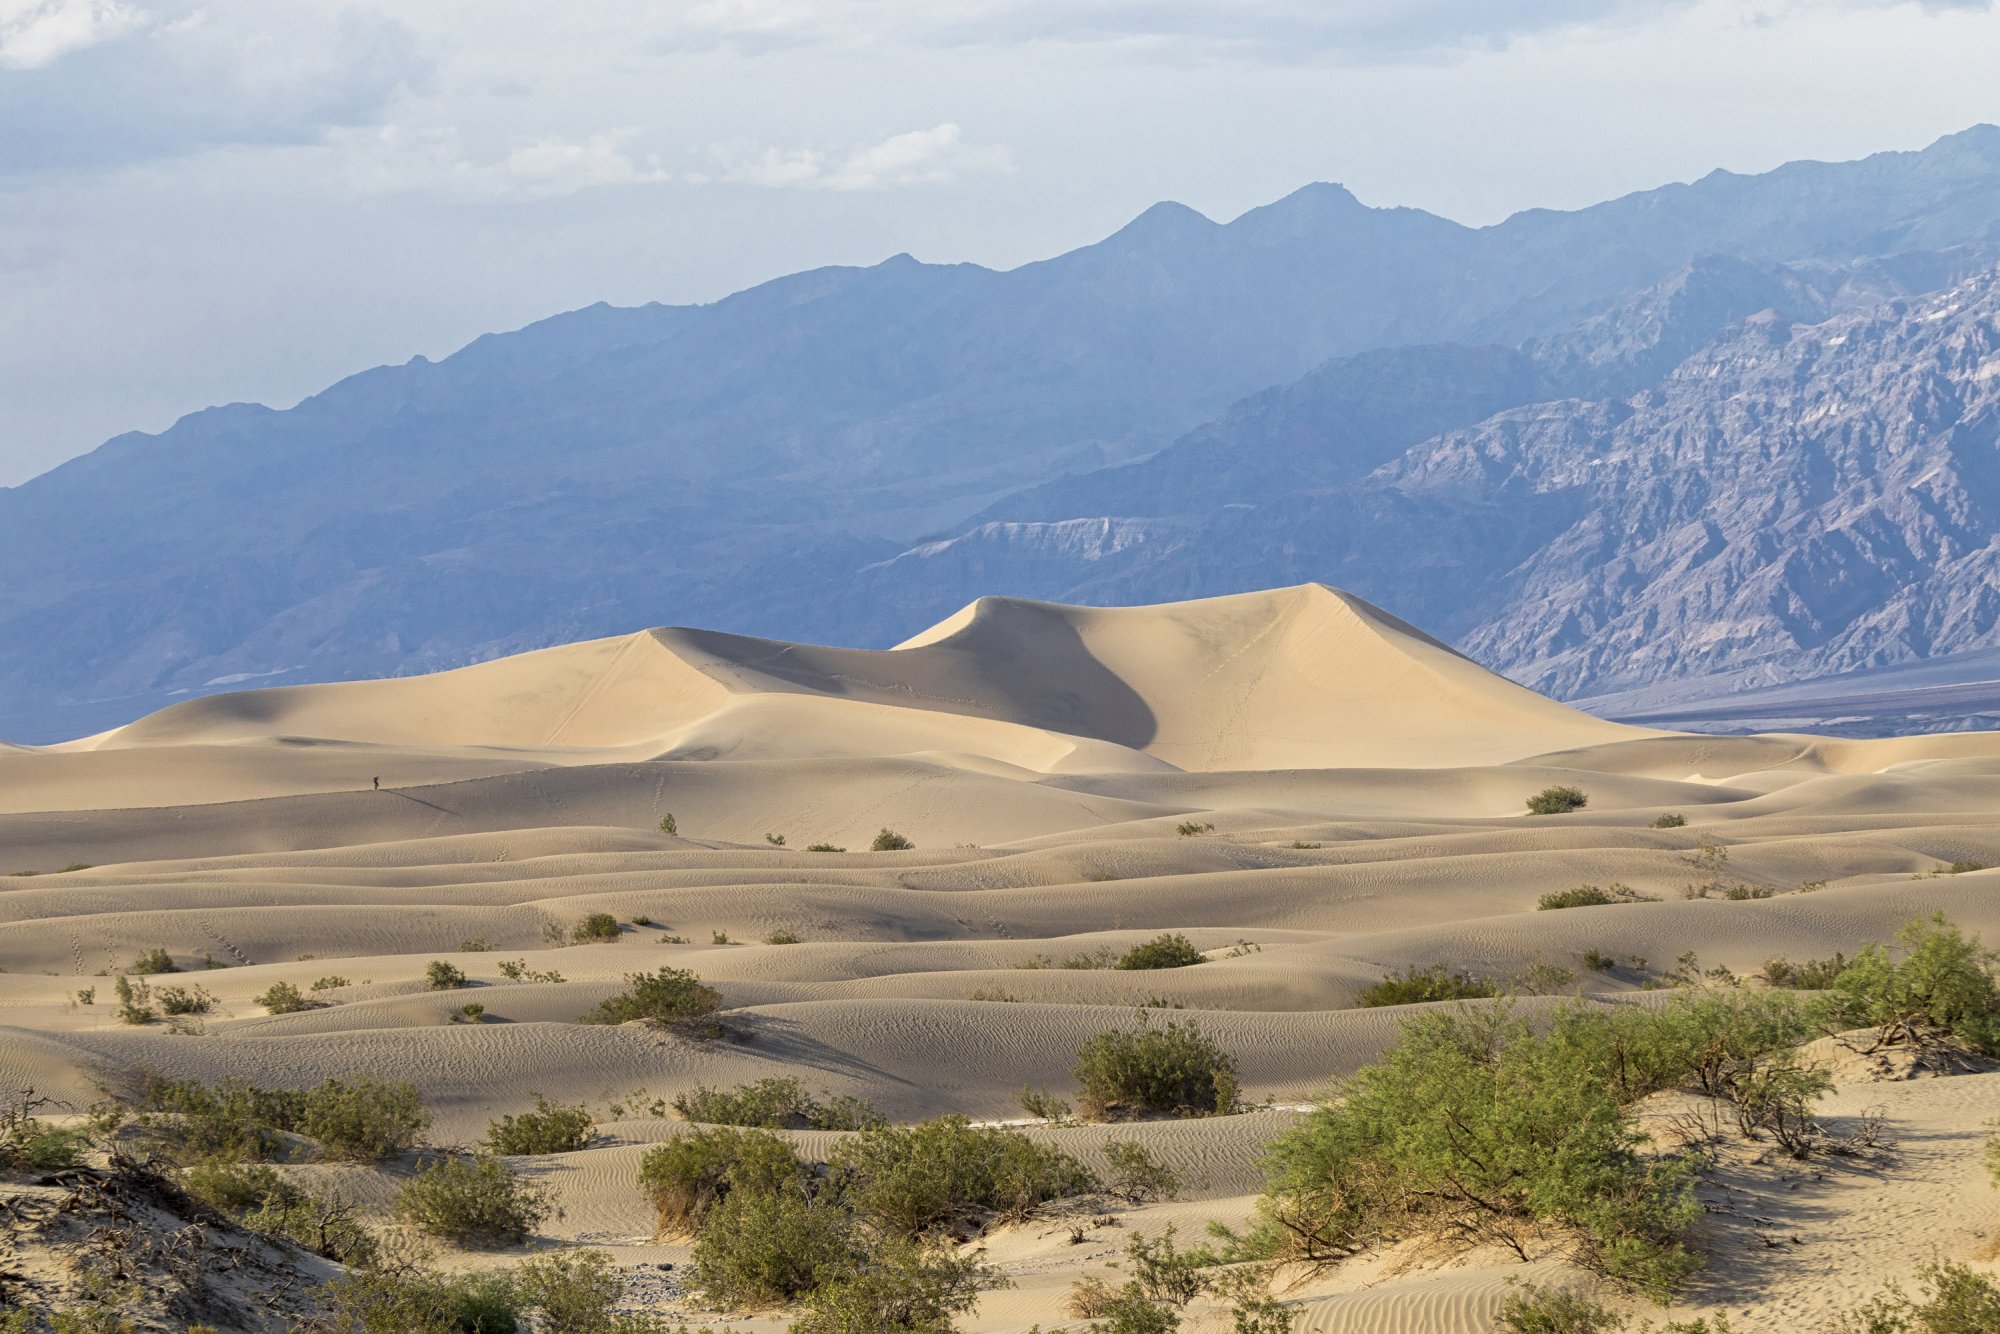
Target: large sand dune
[{"x": 1356, "y": 794}]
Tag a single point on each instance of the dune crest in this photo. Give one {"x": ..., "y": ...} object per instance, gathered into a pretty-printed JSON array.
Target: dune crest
[{"x": 1304, "y": 677}]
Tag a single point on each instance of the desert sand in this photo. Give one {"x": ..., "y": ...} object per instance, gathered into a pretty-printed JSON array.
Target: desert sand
[{"x": 1365, "y": 788}]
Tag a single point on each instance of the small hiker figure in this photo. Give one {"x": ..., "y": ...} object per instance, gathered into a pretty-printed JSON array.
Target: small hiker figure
[{"x": 378, "y": 784}]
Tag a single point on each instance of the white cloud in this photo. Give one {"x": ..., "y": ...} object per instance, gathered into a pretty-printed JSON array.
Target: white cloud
[
  {"x": 89, "y": 84},
  {"x": 1364, "y": 31},
  {"x": 918, "y": 157},
  {"x": 390, "y": 160},
  {"x": 37, "y": 33}
]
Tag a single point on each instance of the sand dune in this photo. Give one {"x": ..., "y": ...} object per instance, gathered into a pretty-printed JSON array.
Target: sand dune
[{"x": 1312, "y": 791}]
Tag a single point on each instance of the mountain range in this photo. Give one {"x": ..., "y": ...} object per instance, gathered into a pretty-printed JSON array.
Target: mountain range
[{"x": 1730, "y": 432}]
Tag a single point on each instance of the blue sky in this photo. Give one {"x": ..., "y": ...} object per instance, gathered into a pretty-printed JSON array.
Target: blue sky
[{"x": 211, "y": 200}]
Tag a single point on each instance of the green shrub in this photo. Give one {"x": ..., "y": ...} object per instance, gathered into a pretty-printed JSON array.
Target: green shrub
[
  {"x": 1559, "y": 799},
  {"x": 1415, "y": 985},
  {"x": 1597, "y": 961},
  {"x": 29, "y": 1144},
  {"x": 890, "y": 841},
  {"x": 687, "y": 1177},
  {"x": 1955, "y": 1300},
  {"x": 154, "y": 961},
  {"x": 782, "y": 938},
  {"x": 596, "y": 928},
  {"x": 184, "y": 1000},
  {"x": 358, "y": 1119},
  {"x": 1812, "y": 975},
  {"x": 283, "y": 998},
  {"x": 476, "y": 1201},
  {"x": 1590, "y": 896},
  {"x": 1476, "y": 1130},
  {"x": 329, "y": 983},
  {"x": 1534, "y": 1309},
  {"x": 823, "y": 847},
  {"x": 776, "y": 1104},
  {"x": 1193, "y": 828},
  {"x": 1934, "y": 983},
  {"x": 443, "y": 976},
  {"x": 135, "y": 1001},
  {"x": 1173, "y": 1070},
  {"x": 901, "y": 1289},
  {"x": 718, "y": 937},
  {"x": 770, "y": 1247},
  {"x": 261, "y": 1200},
  {"x": 1164, "y": 1279},
  {"x": 550, "y": 1128},
  {"x": 1045, "y": 1106},
  {"x": 1671, "y": 820},
  {"x": 571, "y": 1292},
  {"x": 910, "y": 1180},
  {"x": 1171, "y": 950},
  {"x": 404, "y": 1301},
  {"x": 673, "y": 997},
  {"x": 669, "y": 825},
  {"x": 1136, "y": 1176}
]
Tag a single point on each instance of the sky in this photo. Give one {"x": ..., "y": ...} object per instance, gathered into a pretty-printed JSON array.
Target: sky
[{"x": 209, "y": 201}]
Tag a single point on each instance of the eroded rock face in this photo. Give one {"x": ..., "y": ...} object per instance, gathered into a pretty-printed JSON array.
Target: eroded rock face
[{"x": 1790, "y": 501}]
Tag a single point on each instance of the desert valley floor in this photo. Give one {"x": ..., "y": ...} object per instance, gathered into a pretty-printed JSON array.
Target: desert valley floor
[{"x": 1355, "y": 793}]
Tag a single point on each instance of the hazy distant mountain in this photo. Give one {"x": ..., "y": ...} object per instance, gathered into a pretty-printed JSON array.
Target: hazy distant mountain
[
  {"x": 735, "y": 465},
  {"x": 1790, "y": 500}
]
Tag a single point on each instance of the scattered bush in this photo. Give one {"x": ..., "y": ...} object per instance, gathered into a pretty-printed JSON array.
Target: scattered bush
[
  {"x": 1534, "y": 1309},
  {"x": 1956, "y": 1300},
  {"x": 261, "y": 1200},
  {"x": 1591, "y": 896},
  {"x": 1935, "y": 984},
  {"x": 596, "y": 928},
  {"x": 823, "y": 847},
  {"x": 718, "y": 937},
  {"x": 517, "y": 970},
  {"x": 1174, "y": 1070},
  {"x": 904, "y": 1290},
  {"x": 418, "y": 1301},
  {"x": 154, "y": 961},
  {"x": 687, "y": 1177},
  {"x": 358, "y": 1119},
  {"x": 473, "y": 1201},
  {"x": 1559, "y": 799},
  {"x": 1136, "y": 1176},
  {"x": 1045, "y": 1106},
  {"x": 1171, "y": 950},
  {"x": 1812, "y": 975},
  {"x": 443, "y": 976},
  {"x": 550, "y": 1128},
  {"x": 1474, "y": 1130},
  {"x": 1164, "y": 1280},
  {"x": 781, "y": 938},
  {"x": 329, "y": 983},
  {"x": 1597, "y": 961},
  {"x": 472, "y": 1012},
  {"x": 135, "y": 1001},
  {"x": 910, "y": 1180},
  {"x": 669, "y": 825},
  {"x": 1544, "y": 979},
  {"x": 672, "y": 997},
  {"x": 1415, "y": 985},
  {"x": 184, "y": 1000},
  {"x": 1671, "y": 820},
  {"x": 770, "y": 1247},
  {"x": 1193, "y": 828},
  {"x": 1739, "y": 892},
  {"x": 776, "y": 1104},
  {"x": 775, "y": 840},
  {"x": 283, "y": 998},
  {"x": 29, "y": 1144},
  {"x": 890, "y": 841}
]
